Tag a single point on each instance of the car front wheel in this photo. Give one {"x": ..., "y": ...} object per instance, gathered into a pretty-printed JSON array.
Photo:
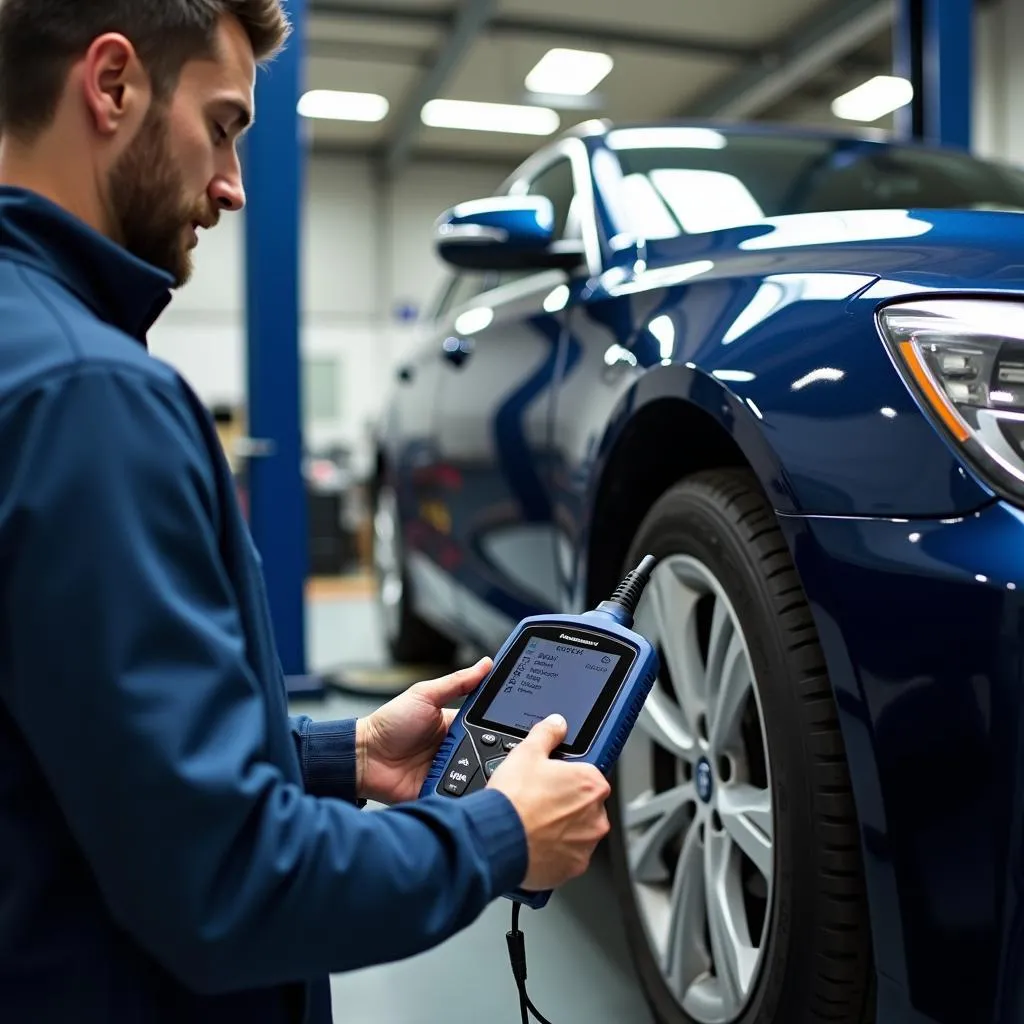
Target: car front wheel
[{"x": 735, "y": 842}]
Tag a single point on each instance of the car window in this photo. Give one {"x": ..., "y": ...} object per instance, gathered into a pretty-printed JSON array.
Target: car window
[
  {"x": 556, "y": 183},
  {"x": 463, "y": 287},
  {"x": 699, "y": 180}
]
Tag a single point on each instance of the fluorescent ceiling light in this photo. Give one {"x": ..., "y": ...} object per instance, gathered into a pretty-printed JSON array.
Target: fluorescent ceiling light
[
  {"x": 877, "y": 97},
  {"x": 666, "y": 138},
  {"x": 470, "y": 115},
  {"x": 569, "y": 72},
  {"x": 343, "y": 106}
]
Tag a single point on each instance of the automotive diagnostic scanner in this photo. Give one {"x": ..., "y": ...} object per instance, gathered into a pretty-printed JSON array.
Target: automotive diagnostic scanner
[{"x": 592, "y": 669}]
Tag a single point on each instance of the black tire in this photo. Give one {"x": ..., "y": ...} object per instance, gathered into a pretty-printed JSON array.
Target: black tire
[
  {"x": 817, "y": 962},
  {"x": 408, "y": 639}
]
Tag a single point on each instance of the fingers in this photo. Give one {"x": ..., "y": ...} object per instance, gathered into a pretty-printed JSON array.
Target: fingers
[
  {"x": 548, "y": 733},
  {"x": 455, "y": 685}
]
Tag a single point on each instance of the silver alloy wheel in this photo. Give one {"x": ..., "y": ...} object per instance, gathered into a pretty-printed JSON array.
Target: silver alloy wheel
[
  {"x": 387, "y": 561},
  {"x": 695, "y": 792}
]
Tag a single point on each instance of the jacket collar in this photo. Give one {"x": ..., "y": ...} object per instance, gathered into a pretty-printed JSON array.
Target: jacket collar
[{"x": 121, "y": 289}]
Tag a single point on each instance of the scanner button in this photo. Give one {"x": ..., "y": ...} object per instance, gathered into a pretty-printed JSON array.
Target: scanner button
[
  {"x": 457, "y": 779},
  {"x": 488, "y": 739},
  {"x": 509, "y": 744},
  {"x": 491, "y": 766}
]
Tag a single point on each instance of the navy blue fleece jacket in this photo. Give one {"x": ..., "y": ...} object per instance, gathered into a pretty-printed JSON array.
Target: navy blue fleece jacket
[{"x": 173, "y": 847}]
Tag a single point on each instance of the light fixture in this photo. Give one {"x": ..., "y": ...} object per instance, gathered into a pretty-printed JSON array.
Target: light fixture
[
  {"x": 471, "y": 115},
  {"x": 873, "y": 99},
  {"x": 569, "y": 72},
  {"x": 331, "y": 105}
]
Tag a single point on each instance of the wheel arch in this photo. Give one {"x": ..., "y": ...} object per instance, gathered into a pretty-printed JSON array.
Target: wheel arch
[{"x": 638, "y": 461}]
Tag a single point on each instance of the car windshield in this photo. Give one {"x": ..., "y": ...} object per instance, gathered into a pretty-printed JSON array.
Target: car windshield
[{"x": 689, "y": 180}]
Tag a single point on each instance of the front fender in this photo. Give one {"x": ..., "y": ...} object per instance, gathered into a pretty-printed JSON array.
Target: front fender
[
  {"x": 686, "y": 383},
  {"x": 847, "y": 435}
]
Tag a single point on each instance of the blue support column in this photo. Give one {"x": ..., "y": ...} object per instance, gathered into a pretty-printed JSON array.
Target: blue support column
[
  {"x": 277, "y": 503},
  {"x": 934, "y": 49}
]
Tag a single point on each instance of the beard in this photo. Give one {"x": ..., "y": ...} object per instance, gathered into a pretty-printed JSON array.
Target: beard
[{"x": 146, "y": 196}]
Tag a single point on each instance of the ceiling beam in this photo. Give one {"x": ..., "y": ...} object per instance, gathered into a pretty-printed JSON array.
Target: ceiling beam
[
  {"x": 369, "y": 53},
  {"x": 581, "y": 31},
  {"x": 817, "y": 44},
  {"x": 502, "y": 165},
  {"x": 470, "y": 18}
]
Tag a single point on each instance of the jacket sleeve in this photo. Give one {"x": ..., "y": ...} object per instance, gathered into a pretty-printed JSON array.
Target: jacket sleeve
[
  {"x": 125, "y": 669},
  {"x": 327, "y": 754}
]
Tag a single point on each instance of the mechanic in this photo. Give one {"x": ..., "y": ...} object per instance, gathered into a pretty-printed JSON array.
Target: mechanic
[{"x": 174, "y": 847}]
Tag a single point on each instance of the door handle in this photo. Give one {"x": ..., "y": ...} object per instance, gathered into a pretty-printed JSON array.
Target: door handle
[{"x": 457, "y": 350}]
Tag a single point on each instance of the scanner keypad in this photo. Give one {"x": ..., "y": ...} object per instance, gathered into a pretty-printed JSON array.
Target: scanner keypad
[
  {"x": 461, "y": 771},
  {"x": 465, "y": 773}
]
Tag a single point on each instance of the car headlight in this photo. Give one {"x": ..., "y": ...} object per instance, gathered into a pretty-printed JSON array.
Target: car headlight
[{"x": 965, "y": 359}]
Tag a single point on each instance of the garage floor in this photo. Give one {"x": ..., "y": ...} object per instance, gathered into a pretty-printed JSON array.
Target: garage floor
[{"x": 578, "y": 965}]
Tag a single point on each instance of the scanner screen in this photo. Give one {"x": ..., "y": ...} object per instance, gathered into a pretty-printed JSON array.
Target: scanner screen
[{"x": 552, "y": 678}]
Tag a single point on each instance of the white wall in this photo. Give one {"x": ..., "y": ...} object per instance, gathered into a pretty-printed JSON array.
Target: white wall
[
  {"x": 998, "y": 113},
  {"x": 366, "y": 248}
]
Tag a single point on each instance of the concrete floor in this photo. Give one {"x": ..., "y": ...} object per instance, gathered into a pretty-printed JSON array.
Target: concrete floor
[{"x": 578, "y": 966}]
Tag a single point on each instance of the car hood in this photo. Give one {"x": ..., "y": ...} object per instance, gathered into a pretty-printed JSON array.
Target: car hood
[{"x": 921, "y": 248}]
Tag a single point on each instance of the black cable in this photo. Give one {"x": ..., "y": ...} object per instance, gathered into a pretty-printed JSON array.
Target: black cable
[{"x": 517, "y": 956}]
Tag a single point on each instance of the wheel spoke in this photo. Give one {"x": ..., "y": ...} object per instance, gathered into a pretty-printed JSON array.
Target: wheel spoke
[
  {"x": 746, "y": 814},
  {"x": 663, "y": 722},
  {"x": 685, "y": 957},
  {"x": 727, "y": 698},
  {"x": 668, "y": 811},
  {"x": 733, "y": 956},
  {"x": 722, "y": 636},
  {"x": 675, "y": 608}
]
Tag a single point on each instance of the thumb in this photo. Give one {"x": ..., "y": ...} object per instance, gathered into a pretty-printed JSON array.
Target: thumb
[
  {"x": 547, "y": 734},
  {"x": 457, "y": 684}
]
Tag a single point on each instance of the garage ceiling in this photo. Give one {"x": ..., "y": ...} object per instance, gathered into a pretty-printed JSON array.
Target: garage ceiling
[{"x": 782, "y": 60}]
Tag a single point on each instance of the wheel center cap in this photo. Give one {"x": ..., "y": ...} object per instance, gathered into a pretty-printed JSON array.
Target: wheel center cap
[{"x": 704, "y": 780}]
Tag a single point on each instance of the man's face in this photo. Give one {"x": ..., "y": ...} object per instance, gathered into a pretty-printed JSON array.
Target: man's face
[{"x": 181, "y": 170}]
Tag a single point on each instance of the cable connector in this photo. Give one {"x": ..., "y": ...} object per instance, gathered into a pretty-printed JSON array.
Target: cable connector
[
  {"x": 621, "y": 606},
  {"x": 517, "y": 954}
]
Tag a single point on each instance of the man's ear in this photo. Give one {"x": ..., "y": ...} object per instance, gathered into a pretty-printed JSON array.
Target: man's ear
[{"x": 115, "y": 86}]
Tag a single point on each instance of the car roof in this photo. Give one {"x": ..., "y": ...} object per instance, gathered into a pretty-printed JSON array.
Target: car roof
[{"x": 602, "y": 128}]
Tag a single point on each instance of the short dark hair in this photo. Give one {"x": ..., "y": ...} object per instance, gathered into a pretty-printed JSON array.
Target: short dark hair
[{"x": 40, "y": 39}]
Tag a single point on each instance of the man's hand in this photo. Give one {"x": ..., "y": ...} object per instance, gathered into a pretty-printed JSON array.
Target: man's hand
[
  {"x": 397, "y": 743},
  {"x": 561, "y": 804}
]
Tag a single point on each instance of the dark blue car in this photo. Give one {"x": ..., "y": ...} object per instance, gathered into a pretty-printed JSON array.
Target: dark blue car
[{"x": 790, "y": 366}]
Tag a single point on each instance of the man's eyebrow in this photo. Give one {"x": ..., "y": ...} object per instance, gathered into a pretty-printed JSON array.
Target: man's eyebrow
[{"x": 243, "y": 118}]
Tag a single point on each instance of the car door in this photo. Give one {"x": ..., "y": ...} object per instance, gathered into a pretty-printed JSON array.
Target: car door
[
  {"x": 414, "y": 469},
  {"x": 492, "y": 427}
]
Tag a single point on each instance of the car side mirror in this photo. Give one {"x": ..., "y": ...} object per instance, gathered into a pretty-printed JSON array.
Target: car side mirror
[{"x": 504, "y": 233}]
